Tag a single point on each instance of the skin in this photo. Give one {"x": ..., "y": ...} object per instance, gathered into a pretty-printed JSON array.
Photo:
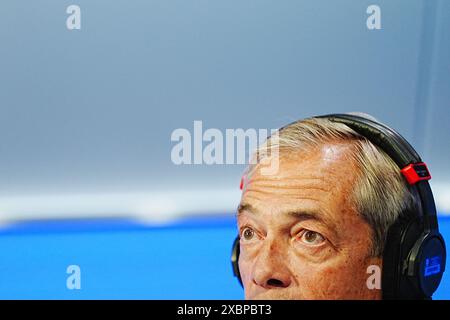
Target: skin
[{"x": 300, "y": 235}]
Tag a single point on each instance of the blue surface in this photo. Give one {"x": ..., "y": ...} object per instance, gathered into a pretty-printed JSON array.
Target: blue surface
[{"x": 123, "y": 260}]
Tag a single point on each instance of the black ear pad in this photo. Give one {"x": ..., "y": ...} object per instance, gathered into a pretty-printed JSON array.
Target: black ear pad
[
  {"x": 401, "y": 238},
  {"x": 406, "y": 272},
  {"x": 235, "y": 259},
  {"x": 391, "y": 258}
]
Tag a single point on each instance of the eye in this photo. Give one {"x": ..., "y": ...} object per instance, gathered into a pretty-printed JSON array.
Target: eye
[
  {"x": 311, "y": 237},
  {"x": 247, "y": 233}
]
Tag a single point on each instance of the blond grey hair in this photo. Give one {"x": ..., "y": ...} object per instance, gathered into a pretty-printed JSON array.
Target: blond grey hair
[{"x": 380, "y": 193}]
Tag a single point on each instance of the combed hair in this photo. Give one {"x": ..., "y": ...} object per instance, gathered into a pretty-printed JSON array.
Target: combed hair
[{"x": 380, "y": 194}]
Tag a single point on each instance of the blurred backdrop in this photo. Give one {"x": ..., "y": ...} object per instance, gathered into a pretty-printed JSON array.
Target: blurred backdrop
[{"x": 86, "y": 118}]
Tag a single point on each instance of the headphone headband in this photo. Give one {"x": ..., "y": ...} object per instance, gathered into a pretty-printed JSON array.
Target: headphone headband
[
  {"x": 403, "y": 154},
  {"x": 381, "y": 135}
]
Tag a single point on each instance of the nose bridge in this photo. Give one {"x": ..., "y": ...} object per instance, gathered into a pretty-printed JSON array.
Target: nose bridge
[
  {"x": 272, "y": 263},
  {"x": 272, "y": 248}
]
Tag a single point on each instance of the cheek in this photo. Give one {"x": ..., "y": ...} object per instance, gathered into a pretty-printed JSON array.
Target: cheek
[
  {"x": 244, "y": 268},
  {"x": 344, "y": 280}
]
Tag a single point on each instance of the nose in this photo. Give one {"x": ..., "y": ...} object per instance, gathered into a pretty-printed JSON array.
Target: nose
[{"x": 270, "y": 269}]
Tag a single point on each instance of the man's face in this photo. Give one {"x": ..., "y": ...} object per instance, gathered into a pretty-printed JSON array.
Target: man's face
[{"x": 301, "y": 237}]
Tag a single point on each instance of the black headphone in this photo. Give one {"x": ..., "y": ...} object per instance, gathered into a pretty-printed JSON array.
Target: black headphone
[{"x": 414, "y": 256}]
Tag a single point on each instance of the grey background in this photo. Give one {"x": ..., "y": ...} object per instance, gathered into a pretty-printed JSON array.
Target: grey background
[{"x": 92, "y": 110}]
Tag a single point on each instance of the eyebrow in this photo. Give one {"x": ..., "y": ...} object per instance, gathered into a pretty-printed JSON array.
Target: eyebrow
[{"x": 300, "y": 215}]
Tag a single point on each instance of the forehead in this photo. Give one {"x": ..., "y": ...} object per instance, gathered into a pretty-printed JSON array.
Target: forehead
[{"x": 319, "y": 179}]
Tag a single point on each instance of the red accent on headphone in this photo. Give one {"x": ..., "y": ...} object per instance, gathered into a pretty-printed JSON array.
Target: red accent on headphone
[{"x": 416, "y": 172}]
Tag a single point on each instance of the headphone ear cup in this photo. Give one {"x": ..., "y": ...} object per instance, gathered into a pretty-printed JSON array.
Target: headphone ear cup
[
  {"x": 428, "y": 264},
  {"x": 235, "y": 259},
  {"x": 401, "y": 241},
  {"x": 391, "y": 258}
]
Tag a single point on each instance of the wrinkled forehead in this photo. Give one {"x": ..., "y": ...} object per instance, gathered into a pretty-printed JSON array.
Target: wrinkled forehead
[{"x": 314, "y": 180}]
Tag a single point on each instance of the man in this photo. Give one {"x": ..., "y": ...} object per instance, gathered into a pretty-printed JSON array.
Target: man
[{"x": 314, "y": 228}]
